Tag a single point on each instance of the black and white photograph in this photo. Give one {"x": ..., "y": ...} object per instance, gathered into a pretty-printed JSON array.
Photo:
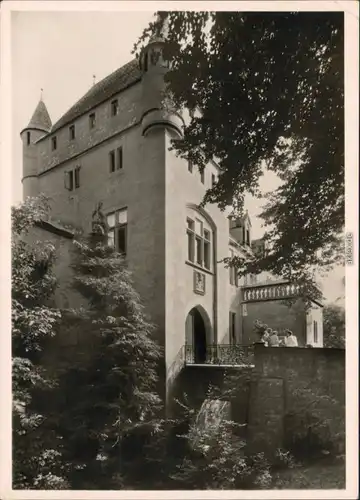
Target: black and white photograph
[{"x": 180, "y": 280}]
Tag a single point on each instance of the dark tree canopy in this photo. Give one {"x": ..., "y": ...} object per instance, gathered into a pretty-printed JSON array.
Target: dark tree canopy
[
  {"x": 36, "y": 452},
  {"x": 107, "y": 381},
  {"x": 334, "y": 326},
  {"x": 269, "y": 88}
]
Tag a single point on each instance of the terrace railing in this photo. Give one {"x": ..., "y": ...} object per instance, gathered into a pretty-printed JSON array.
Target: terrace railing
[
  {"x": 220, "y": 354},
  {"x": 271, "y": 291}
]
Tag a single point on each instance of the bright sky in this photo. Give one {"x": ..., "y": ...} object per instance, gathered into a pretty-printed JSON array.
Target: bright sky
[{"x": 60, "y": 52}]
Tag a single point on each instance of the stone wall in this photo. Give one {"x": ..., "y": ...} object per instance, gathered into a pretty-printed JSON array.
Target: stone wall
[
  {"x": 287, "y": 385},
  {"x": 296, "y": 385}
]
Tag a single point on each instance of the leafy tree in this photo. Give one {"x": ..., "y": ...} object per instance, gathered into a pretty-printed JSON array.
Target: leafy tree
[
  {"x": 265, "y": 91},
  {"x": 334, "y": 326},
  {"x": 107, "y": 378},
  {"x": 36, "y": 453}
]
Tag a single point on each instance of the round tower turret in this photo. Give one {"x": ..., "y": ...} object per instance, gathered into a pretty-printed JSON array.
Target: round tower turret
[
  {"x": 39, "y": 125},
  {"x": 154, "y": 67}
]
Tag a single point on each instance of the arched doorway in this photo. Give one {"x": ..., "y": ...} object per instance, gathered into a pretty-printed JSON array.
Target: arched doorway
[{"x": 196, "y": 335}]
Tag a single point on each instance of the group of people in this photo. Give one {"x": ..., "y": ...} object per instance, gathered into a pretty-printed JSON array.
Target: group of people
[{"x": 271, "y": 339}]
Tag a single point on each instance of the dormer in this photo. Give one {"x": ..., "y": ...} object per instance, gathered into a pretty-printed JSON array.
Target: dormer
[{"x": 240, "y": 229}]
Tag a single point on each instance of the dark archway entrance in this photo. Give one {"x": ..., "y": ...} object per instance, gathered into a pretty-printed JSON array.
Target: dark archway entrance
[{"x": 197, "y": 335}]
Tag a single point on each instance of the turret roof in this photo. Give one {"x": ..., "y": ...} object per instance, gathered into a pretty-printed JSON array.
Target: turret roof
[
  {"x": 41, "y": 118},
  {"x": 101, "y": 91}
]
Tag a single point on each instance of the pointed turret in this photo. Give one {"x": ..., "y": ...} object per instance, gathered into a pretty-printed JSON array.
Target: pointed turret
[
  {"x": 39, "y": 125},
  {"x": 156, "y": 112},
  {"x": 40, "y": 119}
]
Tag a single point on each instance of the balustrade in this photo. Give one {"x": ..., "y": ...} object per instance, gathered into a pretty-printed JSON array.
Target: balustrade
[{"x": 271, "y": 291}]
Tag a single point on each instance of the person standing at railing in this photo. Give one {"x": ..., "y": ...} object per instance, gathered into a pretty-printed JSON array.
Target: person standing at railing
[
  {"x": 274, "y": 339},
  {"x": 290, "y": 339},
  {"x": 265, "y": 337}
]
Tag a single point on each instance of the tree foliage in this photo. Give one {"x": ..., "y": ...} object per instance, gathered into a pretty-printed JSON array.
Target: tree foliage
[
  {"x": 107, "y": 378},
  {"x": 265, "y": 91},
  {"x": 334, "y": 326},
  {"x": 36, "y": 453}
]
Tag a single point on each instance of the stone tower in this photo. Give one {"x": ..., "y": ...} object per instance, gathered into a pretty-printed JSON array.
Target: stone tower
[{"x": 39, "y": 126}]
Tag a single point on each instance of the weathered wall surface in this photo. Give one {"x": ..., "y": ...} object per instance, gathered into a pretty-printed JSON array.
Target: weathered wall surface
[
  {"x": 292, "y": 382},
  {"x": 65, "y": 295},
  {"x": 284, "y": 382}
]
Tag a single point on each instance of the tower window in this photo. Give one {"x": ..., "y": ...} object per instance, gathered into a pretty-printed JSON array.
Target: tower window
[
  {"x": 248, "y": 237},
  {"x": 117, "y": 230},
  {"x": 119, "y": 158},
  {"x": 112, "y": 161},
  {"x": 54, "y": 143},
  {"x": 77, "y": 177},
  {"x": 72, "y": 178},
  {"x": 72, "y": 132},
  {"x": 28, "y": 138},
  {"x": 213, "y": 180},
  {"x": 316, "y": 337},
  {"x": 114, "y": 107},
  {"x": 202, "y": 176},
  {"x": 116, "y": 159},
  {"x": 190, "y": 166},
  {"x": 232, "y": 327},
  {"x": 92, "y": 120}
]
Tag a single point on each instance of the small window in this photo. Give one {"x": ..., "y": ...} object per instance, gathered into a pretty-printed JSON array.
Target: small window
[
  {"x": 112, "y": 163},
  {"x": 69, "y": 180},
  {"x": 316, "y": 338},
  {"x": 146, "y": 59},
  {"x": 28, "y": 137},
  {"x": 72, "y": 132},
  {"x": 114, "y": 107},
  {"x": 54, "y": 143},
  {"x": 202, "y": 176},
  {"x": 92, "y": 120},
  {"x": 119, "y": 158},
  {"x": 213, "y": 180},
  {"x": 248, "y": 237},
  {"x": 232, "y": 327},
  {"x": 190, "y": 166},
  {"x": 77, "y": 177}
]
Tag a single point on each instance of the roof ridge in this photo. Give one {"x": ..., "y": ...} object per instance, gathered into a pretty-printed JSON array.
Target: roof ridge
[{"x": 111, "y": 84}]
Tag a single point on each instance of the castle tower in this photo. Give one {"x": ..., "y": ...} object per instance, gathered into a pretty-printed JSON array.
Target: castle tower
[
  {"x": 39, "y": 125},
  {"x": 154, "y": 67}
]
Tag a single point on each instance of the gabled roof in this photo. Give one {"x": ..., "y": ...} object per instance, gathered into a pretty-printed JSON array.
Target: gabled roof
[
  {"x": 101, "y": 91},
  {"x": 40, "y": 120}
]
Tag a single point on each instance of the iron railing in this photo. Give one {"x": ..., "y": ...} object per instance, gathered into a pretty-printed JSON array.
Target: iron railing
[{"x": 220, "y": 354}]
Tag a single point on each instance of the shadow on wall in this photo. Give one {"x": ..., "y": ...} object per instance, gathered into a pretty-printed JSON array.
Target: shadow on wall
[
  {"x": 298, "y": 400},
  {"x": 293, "y": 399}
]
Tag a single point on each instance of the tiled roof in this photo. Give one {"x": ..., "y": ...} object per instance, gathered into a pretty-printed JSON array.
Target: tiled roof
[
  {"x": 109, "y": 86},
  {"x": 40, "y": 119}
]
